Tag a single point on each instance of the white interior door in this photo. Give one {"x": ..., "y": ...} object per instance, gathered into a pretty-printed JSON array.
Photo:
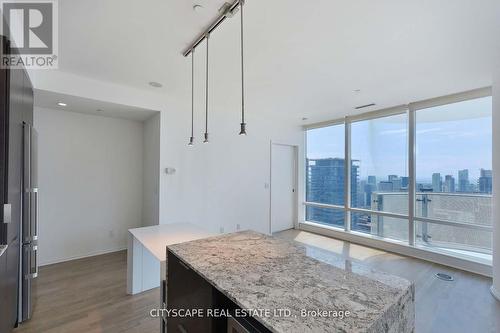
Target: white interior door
[{"x": 282, "y": 187}]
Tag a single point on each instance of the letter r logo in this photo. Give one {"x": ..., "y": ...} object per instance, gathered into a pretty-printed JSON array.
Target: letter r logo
[{"x": 30, "y": 25}]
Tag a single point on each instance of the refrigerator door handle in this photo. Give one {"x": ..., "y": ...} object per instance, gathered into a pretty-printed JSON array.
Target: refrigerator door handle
[
  {"x": 32, "y": 213},
  {"x": 34, "y": 263},
  {"x": 35, "y": 214},
  {"x": 7, "y": 213}
]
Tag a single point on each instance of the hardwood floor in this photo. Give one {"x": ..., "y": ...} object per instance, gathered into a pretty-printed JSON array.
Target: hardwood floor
[{"x": 89, "y": 295}]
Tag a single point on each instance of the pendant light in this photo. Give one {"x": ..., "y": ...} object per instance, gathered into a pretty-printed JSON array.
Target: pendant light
[
  {"x": 206, "y": 96},
  {"x": 191, "y": 139},
  {"x": 243, "y": 130}
]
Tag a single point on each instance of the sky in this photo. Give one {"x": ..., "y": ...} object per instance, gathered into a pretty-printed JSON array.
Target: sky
[{"x": 449, "y": 138}]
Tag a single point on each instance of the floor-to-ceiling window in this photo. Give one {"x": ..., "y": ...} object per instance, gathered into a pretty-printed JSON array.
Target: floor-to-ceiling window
[
  {"x": 380, "y": 148},
  {"x": 418, "y": 175},
  {"x": 453, "y": 177},
  {"x": 325, "y": 175}
]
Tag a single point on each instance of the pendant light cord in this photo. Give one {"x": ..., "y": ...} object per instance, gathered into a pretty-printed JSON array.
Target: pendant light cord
[
  {"x": 206, "y": 91},
  {"x": 242, "y": 70},
  {"x": 192, "y": 93}
]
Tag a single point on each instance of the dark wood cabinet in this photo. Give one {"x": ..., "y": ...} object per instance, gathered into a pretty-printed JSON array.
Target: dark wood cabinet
[{"x": 186, "y": 290}]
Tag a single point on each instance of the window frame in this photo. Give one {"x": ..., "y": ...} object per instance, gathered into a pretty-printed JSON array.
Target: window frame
[
  {"x": 306, "y": 203},
  {"x": 410, "y": 109}
]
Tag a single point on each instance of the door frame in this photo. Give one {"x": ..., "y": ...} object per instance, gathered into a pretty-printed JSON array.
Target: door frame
[{"x": 295, "y": 149}]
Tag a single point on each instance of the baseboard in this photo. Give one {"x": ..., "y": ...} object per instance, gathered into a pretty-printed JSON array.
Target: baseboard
[
  {"x": 495, "y": 292},
  {"x": 87, "y": 255}
]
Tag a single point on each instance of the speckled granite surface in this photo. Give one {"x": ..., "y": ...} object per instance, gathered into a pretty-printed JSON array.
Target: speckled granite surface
[{"x": 261, "y": 272}]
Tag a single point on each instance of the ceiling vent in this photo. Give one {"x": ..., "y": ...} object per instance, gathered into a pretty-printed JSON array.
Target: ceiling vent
[{"x": 364, "y": 106}]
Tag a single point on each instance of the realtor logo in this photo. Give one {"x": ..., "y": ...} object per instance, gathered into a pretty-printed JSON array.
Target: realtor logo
[{"x": 31, "y": 28}]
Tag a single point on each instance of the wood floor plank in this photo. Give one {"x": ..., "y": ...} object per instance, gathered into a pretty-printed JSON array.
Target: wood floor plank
[{"x": 89, "y": 295}]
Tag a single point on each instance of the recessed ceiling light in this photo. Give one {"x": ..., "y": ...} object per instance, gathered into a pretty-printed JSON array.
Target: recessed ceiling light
[
  {"x": 197, "y": 8},
  {"x": 62, "y": 104},
  {"x": 99, "y": 110},
  {"x": 357, "y": 91},
  {"x": 304, "y": 118},
  {"x": 155, "y": 84}
]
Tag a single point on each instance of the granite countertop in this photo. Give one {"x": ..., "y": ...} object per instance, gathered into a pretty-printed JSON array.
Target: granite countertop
[{"x": 262, "y": 272}]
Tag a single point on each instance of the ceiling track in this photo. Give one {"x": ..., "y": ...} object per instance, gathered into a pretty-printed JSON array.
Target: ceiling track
[{"x": 226, "y": 11}]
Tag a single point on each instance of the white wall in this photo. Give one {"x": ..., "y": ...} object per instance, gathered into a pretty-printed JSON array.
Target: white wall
[
  {"x": 90, "y": 179},
  {"x": 222, "y": 183},
  {"x": 76, "y": 85},
  {"x": 151, "y": 171},
  {"x": 219, "y": 184}
]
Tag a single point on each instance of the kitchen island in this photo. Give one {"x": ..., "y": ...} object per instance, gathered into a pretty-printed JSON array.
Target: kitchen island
[{"x": 282, "y": 287}]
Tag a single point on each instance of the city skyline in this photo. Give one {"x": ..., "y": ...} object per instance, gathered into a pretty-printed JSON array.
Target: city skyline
[
  {"x": 429, "y": 180},
  {"x": 325, "y": 184},
  {"x": 325, "y": 177},
  {"x": 449, "y": 138}
]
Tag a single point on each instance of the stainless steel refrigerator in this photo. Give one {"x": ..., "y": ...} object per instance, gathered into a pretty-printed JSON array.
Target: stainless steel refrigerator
[
  {"x": 29, "y": 226},
  {"x": 18, "y": 195}
]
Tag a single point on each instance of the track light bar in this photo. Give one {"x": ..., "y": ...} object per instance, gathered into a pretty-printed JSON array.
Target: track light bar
[{"x": 228, "y": 10}]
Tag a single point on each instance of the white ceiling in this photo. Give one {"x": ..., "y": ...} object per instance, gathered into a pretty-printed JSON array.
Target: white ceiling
[
  {"x": 50, "y": 100},
  {"x": 304, "y": 58}
]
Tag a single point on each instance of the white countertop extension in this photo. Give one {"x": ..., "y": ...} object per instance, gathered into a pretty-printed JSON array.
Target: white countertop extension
[
  {"x": 147, "y": 251},
  {"x": 156, "y": 238}
]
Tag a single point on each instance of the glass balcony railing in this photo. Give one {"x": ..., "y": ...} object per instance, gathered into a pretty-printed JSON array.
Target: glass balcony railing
[
  {"x": 459, "y": 223},
  {"x": 455, "y": 207}
]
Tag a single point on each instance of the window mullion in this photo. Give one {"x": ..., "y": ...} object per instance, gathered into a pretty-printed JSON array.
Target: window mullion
[
  {"x": 411, "y": 174},
  {"x": 347, "y": 174}
]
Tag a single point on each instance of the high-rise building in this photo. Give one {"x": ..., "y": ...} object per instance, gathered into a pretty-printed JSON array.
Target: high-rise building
[
  {"x": 437, "y": 182},
  {"x": 367, "y": 191},
  {"x": 463, "y": 180},
  {"x": 385, "y": 187},
  {"x": 326, "y": 181},
  {"x": 396, "y": 184},
  {"x": 372, "y": 180},
  {"x": 449, "y": 184},
  {"x": 361, "y": 192},
  {"x": 392, "y": 178},
  {"x": 485, "y": 181},
  {"x": 404, "y": 183}
]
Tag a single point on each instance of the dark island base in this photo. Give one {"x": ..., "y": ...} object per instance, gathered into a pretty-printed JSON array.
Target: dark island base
[{"x": 188, "y": 291}]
